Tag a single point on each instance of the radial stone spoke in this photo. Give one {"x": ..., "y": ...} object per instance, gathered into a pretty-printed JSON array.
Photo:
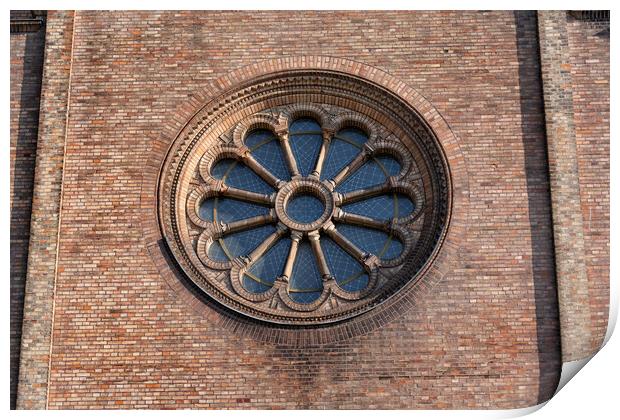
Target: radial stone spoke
[
  {"x": 245, "y": 195},
  {"x": 327, "y": 137},
  {"x": 359, "y": 220},
  {"x": 260, "y": 170},
  {"x": 288, "y": 153},
  {"x": 250, "y": 223},
  {"x": 292, "y": 254},
  {"x": 355, "y": 164},
  {"x": 369, "y": 261},
  {"x": 344, "y": 243},
  {"x": 267, "y": 243},
  {"x": 364, "y": 193},
  {"x": 318, "y": 253}
]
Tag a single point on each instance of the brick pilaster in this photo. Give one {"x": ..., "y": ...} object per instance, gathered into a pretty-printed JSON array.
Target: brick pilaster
[
  {"x": 27, "y": 48},
  {"x": 564, "y": 179},
  {"x": 41, "y": 274}
]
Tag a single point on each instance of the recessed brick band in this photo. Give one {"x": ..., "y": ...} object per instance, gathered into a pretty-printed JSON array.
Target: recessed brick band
[{"x": 405, "y": 110}]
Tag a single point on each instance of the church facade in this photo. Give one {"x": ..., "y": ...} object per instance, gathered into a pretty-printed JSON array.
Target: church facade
[{"x": 257, "y": 209}]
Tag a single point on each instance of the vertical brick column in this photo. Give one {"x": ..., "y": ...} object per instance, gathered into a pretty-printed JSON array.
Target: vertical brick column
[
  {"x": 42, "y": 254},
  {"x": 564, "y": 179}
]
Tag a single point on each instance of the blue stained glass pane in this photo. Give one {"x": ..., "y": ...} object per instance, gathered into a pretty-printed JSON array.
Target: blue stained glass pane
[
  {"x": 257, "y": 137},
  {"x": 355, "y": 283},
  {"x": 373, "y": 172},
  {"x": 271, "y": 264},
  {"x": 372, "y": 241},
  {"x": 305, "y": 208},
  {"x": 205, "y": 211},
  {"x": 404, "y": 205},
  {"x": 254, "y": 285},
  {"x": 382, "y": 207},
  {"x": 306, "y": 151},
  {"x": 304, "y": 125},
  {"x": 229, "y": 210},
  {"x": 216, "y": 252},
  {"x": 388, "y": 164},
  {"x": 266, "y": 149},
  {"x": 305, "y": 146},
  {"x": 354, "y": 135},
  {"x": 236, "y": 174},
  {"x": 221, "y": 167},
  {"x": 339, "y": 154},
  {"x": 244, "y": 242},
  {"x": 349, "y": 273},
  {"x": 393, "y": 249},
  {"x": 305, "y": 284}
]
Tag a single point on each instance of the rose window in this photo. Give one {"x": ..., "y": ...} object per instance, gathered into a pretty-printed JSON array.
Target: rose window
[{"x": 301, "y": 213}]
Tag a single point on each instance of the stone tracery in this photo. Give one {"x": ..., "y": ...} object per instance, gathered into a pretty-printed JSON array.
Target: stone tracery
[{"x": 365, "y": 204}]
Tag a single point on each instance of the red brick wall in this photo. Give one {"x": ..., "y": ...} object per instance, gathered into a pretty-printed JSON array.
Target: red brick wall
[
  {"x": 486, "y": 336},
  {"x": 589, "y": 68},
  {"x": 122, "y": 338},
  {"x": 26, "y": 68}
]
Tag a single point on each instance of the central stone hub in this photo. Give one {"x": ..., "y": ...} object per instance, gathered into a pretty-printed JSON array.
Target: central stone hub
[{"x": 304, "y": 204}]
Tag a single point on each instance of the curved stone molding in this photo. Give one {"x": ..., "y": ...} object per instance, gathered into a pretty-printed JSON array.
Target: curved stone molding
[
  {"x": 304, "y": 110},
  {"x": 272, "y": 101},
  {"x": 304, "y": 186},
  {"x": 204, "y": 242},
  {"x": 264, "y": 121},
  {"x": 396, "y": 150},
  {"x": 354, "y": 120}
]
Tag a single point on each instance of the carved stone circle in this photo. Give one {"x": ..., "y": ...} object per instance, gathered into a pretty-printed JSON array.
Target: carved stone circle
[{"x": 192, "y": 179}]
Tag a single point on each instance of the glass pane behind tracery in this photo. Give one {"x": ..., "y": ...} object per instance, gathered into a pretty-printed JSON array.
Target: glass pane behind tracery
[
  {"x": 216, "y": 252},
  {"x": 229, "y": 210},
  {"x": 306, "y": 139},
  {"x": 304, "y": 208},
  {"x": 382, "y": 207},
  {"x": 349, "y": 273},
  {"x": 265, "y": 147},
  {"x": 244, "y": 242},
  {"x": 254, "y": 285},
  {"x": 373, "y": 172},
  {"x": 339, "y": 154},
  {"x": 236, "y": 174},
  {"x": 266, "y": 269},
  {"x": 372, "y": 241},
  {"x": 343, "y": 148},
  {"x": 353, "y": 135},
  {"x": 305, "y": 284}
]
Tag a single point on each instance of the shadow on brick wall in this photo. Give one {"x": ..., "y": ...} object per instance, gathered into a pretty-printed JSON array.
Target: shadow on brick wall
[
  {"x": 539, "y": 203},
  {"x": 22, "y": 182}
]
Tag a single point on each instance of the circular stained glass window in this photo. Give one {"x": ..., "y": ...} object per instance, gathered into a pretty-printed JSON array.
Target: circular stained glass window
[{"x": 303, "y": 212}]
